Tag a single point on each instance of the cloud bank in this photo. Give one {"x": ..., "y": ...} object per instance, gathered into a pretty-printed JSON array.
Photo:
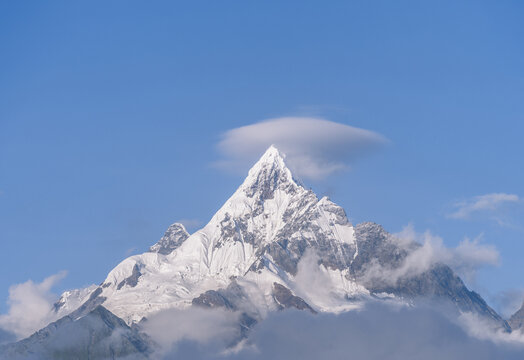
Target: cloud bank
[
  {"x": 217, "y": 328},
  {"x": 314, "y": 147},
  {"x": 30, "y": 306},
  {"x": 378, "y": 332},
  {"x": 483, "y": 203}
]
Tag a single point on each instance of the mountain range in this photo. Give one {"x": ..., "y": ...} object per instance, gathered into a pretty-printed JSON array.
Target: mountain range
[{"x": 273, "y": 245}]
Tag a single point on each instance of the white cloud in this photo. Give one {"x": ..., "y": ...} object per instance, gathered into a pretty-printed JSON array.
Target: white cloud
[
  {"x": 30, "y": 306},
  {"x": 314, "y": 147},
  {"x": 377, "y": 332},
  {"x": 484, "y": 203},
  {"x": 203, "y": 326},
  {"x": 465, "y": 259},
  {"x": 481, "y": 328},
  {"x": 311, "y": 282}
]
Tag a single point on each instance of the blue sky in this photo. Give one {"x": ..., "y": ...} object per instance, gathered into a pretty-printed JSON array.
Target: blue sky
[{"x": 111, "y": 115}]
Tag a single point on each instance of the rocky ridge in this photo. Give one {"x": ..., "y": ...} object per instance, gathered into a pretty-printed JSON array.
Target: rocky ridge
[{"x": 258, "y": 254}]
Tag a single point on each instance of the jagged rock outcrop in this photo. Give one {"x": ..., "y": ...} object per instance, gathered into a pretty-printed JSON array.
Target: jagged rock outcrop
[
  {"x": 175, "y": 235},
  {"x": 233, "y": 299},
  {"x": 286, "y": 300}
]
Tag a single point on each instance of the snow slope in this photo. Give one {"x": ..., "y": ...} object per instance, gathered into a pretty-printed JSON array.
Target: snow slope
[{"x": 272, "y": 241}]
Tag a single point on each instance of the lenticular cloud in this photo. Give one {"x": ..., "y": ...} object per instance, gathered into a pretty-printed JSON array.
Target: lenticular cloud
[{"x": 314, "y": 147}]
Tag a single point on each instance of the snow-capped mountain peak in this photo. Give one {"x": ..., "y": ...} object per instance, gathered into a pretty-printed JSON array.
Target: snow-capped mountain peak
[
  {"x": 268, "y": 174},
  {"x": 257, "y": 248},
  {"x": 258, "y": 236},
  {"x": 173, "y": 238}
]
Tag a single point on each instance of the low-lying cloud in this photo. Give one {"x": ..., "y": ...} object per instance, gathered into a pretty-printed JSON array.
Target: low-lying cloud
[
  {"x": 30, "y": 306},
  {"x": 216, "y": 327},
  {"x": 375, "y": 333},
  {"x": 481, "y": 328},
  {"x": 483, "y": 203},
  {"x": 314, "y": 147}
]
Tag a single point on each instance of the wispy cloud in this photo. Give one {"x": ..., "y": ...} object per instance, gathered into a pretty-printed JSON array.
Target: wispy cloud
[
  {"x": 314, "y": 147},
  {"x": 311, "y": 283},
  {"x": 479, "y": 327},
  {"x": 465, "y": 259},
  {"x": 30, "y": 306},
  {"x": 483, "y": 203}
]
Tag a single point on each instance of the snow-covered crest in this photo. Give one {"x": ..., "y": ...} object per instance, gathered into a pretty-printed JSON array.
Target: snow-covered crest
[
  {"x": 258, "y": 236},
  {"x": 269, "y": 170},
  {"x": 269, "y": 242},
  {"x": 174, "y": 236}
]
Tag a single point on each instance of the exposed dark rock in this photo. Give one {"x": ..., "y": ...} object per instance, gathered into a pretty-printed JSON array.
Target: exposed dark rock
[
  {"x": 285, "y": 299},
  {"x": 174, "y": 236},
  {"x": 375, "y": 245},
  {"x": 339, "y": 212},
  {"x": 58, "y": 305},
  {"x": 132, "y": 280},
  {"x": 300, "y": 233},
  {"x": 228, "y": 230},
  {"x": 236, "y": 229},
  {"x": 270, "y": 178},
  {"x": 232, "y": 298},
  {"x": 212, "y": 299},
  {"x": 258, "y": 265}
]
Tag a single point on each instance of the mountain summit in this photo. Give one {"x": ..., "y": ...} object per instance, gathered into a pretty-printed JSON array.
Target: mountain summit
[
  {"x": 256, "y": 239},
  {"x": 272, "y": 245},
  {"x": 175, "y": 235},
  {"x": 269, "y": 174}
]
